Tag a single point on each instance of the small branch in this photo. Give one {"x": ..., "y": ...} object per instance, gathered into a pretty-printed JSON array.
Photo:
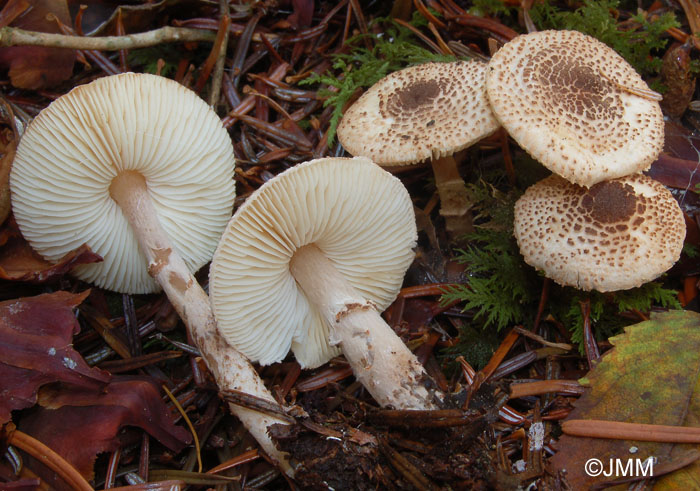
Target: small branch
[
  {"x": 221, "y": 60},
  {"x": 569, "y": 387},
  {"x": 631, "y": 431},
  {"x": 254, "y": 403},
  {"x": 540, "y": 339},
  {"x": 51, "y": 459},
  {"x": 12, "y": 36}
]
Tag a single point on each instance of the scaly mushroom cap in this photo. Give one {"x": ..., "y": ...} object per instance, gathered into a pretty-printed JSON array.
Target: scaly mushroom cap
[
  {"x": 421, "y": 112},
  {"x": 575, "y": 105},
  {"x": 73, "y": 149},
  {"x": 615, "y": 235},
  {"x": 359, "y": 215}
]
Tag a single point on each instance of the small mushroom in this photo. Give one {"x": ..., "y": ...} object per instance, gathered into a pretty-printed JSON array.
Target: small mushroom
[
  {"x": 615, "y": 235},
  {"x": 307, "y": 263},
  {"x": 427, "y": 111},
  {"x": 575, "y": 105},
  {"x": 141, "y": 169}
]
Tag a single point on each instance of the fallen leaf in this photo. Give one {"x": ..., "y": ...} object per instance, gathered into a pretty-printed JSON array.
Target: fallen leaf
[
  {"x": 650, "y": 376},
  {"x": 36, "y": 67},
  {"x": 302, "y": 15},
  {"x": 688, "y": 477},
  {"x": 79, "y": 423},
  {"x": 674, "y": 172},
  {"x": 11, "y": 10},
  {"x": 360, "y": 437},
  {"x": 19, "y": 262},
  {"x": 35, "y": 349},
  {"x": 680, "y": 142},
  {"x": 7, "y": 155}
]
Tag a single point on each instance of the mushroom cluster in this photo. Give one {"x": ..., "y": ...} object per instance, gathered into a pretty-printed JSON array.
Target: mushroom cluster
[
  {"x": 576, "y": 106},
  {"x": 582, "y": 111},
  {"x": 141, "y": 170}
]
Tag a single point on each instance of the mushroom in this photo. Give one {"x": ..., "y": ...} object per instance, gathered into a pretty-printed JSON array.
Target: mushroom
[
  {"x": 615, "y": 235},
  {"x": 307, "y": 263},
  {"x": 575, "y": 105},
  {"x": 427, "y": 111},
  {"x": 141, "y": 169}
]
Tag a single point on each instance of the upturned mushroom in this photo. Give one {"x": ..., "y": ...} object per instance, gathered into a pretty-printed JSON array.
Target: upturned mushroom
[
  {"x": 615, "y": 235},
  {"x": 575, "y": 105},
  {"x": 141, "y": 169},
  {"x": 309, "y": 261},
  {"x": 427, "y": 111}
]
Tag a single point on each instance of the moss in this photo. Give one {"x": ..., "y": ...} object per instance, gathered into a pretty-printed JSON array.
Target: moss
[
  {"x": 147, "y": 58},
  {"x": 641, "y": 41}
]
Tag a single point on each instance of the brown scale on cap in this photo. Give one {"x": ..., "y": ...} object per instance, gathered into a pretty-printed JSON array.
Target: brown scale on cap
[
  {"x": 616, "y": 235},
  {"x": 575, "y": 105},
  {"x": 421, "y": 112}
]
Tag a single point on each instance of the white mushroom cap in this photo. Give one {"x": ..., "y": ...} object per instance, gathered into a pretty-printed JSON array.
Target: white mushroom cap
[
  {"x": 359, "y": 215},
  {"x": 73, "y": 149},
  {"x": 575, "y": 105},
  {"x": 421, "y": 112},
  {"x": 615, "y": 235}
]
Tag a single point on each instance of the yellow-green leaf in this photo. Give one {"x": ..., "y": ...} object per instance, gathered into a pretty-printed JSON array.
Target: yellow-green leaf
[{"x": 652, "y": 375}]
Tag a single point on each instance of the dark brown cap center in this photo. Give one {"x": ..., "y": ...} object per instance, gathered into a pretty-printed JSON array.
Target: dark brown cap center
[
  {"x": 573, "y": 85},
  {"x": 414, "y": 96},
  {"x": 609, "y": 202}
]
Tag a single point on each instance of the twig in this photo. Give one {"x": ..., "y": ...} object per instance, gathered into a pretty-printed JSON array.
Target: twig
[
  {"x": 13, "y": 36},
  {"x": 243, "y": 458},
  {"x": 49, "y": 458},
  {"x": 256, "y": 404},
  {"x": 218, "y": 75},
  {"x": 540, "y": 339},
  {"x": 571, "y": 387},
  {"x": 214, "y": 55},
  {"x": 631, "y": 431},
  {"x": 419, "y": 418},
  {"x": 189, "y": 425},
  {"x": 406, "y": 469}
]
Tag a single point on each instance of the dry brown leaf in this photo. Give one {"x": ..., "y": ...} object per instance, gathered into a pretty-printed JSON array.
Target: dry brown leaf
[
  {"x": 36, "y": 67},
  {"x": 79, "y": 423},
  {"x": 19, "y": 262},
  {"x": 36, "y": 336}
]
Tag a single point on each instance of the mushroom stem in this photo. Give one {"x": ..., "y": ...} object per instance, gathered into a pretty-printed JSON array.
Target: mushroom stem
[
  {"x": 230, "y": 368},
  {"x": 378, "y": 357},
  {"x": 454, "y": 203}
]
